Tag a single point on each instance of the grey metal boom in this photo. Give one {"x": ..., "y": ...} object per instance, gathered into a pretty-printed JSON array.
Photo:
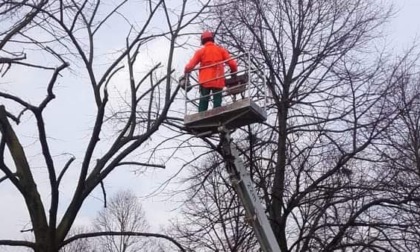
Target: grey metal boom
[{"x": 243, "y": 185}]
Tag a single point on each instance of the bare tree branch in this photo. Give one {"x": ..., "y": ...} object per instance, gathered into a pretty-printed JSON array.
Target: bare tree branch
[{"x": 110, "y": 233}]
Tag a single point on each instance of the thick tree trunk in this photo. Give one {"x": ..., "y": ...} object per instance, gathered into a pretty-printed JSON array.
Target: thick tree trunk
[
  {"x": 46, "y": 244},
  {"x": 276, "y": 211}
]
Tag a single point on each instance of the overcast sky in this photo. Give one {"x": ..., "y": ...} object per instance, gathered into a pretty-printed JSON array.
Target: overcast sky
[
  {"x": 403, "y": 30},
  {"x": 405, "y": 27}
]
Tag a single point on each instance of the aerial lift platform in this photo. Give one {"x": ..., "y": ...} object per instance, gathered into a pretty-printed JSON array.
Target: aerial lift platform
[
  {"x": 231, "y": 116},
  {"x": 249, "y": 84}
]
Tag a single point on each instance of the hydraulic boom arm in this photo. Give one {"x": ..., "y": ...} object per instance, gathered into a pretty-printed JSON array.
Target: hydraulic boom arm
[{"x": 243, "y": 185}]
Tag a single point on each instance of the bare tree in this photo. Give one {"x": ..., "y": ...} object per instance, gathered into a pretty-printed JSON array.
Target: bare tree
[
  {"x": 212, "y": 218},
  {"x": 61, "y": 41},
  {"x": 317, "y": 160},
  {"x": 400, "y": 149},
  {"x": 123, "y": 213}
]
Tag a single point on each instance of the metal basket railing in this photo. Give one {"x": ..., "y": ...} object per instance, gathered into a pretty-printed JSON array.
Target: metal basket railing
[{"x": 249, "y": 83}]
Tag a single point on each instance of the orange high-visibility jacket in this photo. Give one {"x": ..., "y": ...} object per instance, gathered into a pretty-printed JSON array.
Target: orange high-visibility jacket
[{"x": 210, "y": 55}]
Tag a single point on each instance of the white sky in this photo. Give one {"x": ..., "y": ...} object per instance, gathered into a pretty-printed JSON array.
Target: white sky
[
  {"x": 403, "y": 30},
  {"x": 405, "y": 27}
]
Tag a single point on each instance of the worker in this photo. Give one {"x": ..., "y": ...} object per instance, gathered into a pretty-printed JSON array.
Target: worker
[{"x": 212, "y": 58}]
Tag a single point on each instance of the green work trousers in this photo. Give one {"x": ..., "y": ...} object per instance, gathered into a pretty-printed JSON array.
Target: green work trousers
[{"x": 205, "y": 97}]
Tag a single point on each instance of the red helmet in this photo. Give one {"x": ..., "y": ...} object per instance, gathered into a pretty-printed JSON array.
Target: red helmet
[{"x": 207, "y": 35}]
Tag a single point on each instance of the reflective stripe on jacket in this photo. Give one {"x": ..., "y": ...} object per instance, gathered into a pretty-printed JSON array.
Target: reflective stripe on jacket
[{"x": 211, "y": 74}]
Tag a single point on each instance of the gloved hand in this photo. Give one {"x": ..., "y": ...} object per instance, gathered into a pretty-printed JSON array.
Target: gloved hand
[{"x": 183, "y": 81}]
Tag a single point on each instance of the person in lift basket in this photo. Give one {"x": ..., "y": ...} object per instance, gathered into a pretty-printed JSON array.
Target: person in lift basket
[{"x": 211, "y": 73}]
